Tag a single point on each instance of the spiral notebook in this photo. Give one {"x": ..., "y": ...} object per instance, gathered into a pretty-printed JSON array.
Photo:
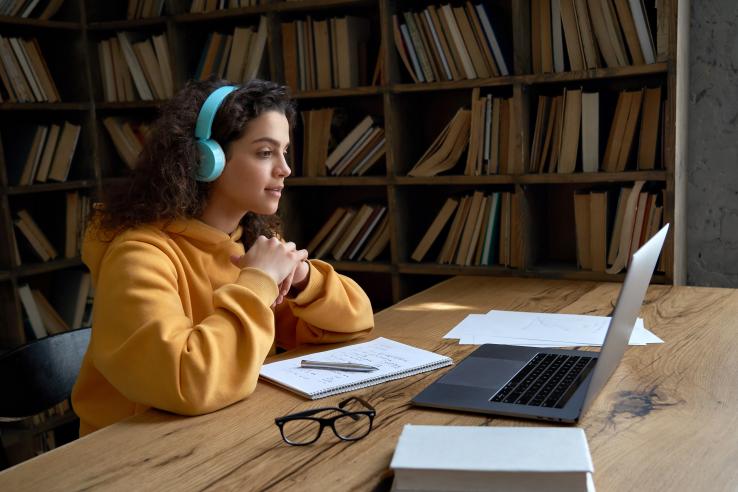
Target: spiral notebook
[{"x": 395, "y": 360}]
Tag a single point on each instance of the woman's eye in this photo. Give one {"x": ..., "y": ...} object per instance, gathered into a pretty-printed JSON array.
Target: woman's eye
[{"x": 265, "y": 154}]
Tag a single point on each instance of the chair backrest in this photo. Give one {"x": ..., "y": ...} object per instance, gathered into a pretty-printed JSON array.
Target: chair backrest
[{"x": 41, "y": 374}]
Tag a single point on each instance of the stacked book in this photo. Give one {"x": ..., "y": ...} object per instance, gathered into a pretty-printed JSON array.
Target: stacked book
[
  {"x": 35, "y": 236},
  {"x": 449, "y": 43},
  {"x": 66, "y": 308},
  {"x": 562, "y": 121},
  {"x": 24, "y": 73},
  {"x": 77, "y": 211},
  {"x": 491, "y": 137},
  {"x": 204, "y": 6},
  {"x": 638, "y": 216},
  {"x": 352, "y": 233},
  {"x": 142, "y": 9},
  {"x": 480, "y": 232},
  {"x": 361, "y": 149},
  {"x": 581, "y": 30},
  {"x": 144, "y": 64},
  {"x": 43, "y": 10},
  {"x": 128, "y": 138},
  {"x": 236, "y": 57},
  {"x": 446, "y": 149},
  {"x": 325, "y": 54},
  {"x": 42, "y": 153},
  {"x": 42, "y": 317}
]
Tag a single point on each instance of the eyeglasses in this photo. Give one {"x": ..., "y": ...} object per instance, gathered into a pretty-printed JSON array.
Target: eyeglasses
[{"x": 350, "y": 421}]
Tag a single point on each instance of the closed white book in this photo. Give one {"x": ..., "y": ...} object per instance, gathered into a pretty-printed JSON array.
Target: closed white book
[
  {"x": 394, "y": 360},
  {"x": 513, "y": 459}
]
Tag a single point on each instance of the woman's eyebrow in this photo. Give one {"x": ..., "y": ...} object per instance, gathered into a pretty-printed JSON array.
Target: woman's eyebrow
[{"x": 269, "y": 140}]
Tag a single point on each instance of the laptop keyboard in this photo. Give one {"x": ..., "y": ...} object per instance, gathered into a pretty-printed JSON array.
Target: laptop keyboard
[{"x": 548, "y": 380}]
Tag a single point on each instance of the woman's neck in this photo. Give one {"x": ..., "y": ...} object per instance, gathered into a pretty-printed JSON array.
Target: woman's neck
[{"x": 224, "y": 220}]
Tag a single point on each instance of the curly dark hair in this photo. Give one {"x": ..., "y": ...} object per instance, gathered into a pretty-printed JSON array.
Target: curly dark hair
[{"x": 163, "y": 184}]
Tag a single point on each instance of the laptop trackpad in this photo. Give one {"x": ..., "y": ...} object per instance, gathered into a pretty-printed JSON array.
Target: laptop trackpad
[{"x": 483, "y": 372}]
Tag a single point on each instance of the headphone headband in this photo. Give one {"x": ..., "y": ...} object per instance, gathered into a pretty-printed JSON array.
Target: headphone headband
[
  {"x": 212, "y": 157},
  {"x": 209, "y": 108}
]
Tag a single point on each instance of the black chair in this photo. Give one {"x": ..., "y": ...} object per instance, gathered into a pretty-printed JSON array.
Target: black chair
[{"x": 40, "y": 374}]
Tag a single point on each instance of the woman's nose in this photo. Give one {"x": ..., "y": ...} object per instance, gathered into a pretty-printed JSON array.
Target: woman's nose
[{"x": 283, "y": 169}]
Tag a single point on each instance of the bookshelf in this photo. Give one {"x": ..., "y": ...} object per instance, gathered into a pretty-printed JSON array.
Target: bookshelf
[{"x": 411, "y": 113}]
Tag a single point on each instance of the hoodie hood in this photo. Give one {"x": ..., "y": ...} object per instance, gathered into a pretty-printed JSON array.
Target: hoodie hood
[{"x": 97, "y": 241}]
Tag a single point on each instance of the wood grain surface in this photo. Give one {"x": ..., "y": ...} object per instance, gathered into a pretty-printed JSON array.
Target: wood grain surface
[{"x": 665, "y": 421}]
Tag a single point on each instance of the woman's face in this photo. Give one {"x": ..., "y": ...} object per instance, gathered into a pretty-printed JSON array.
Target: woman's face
[{"x": 253, "y": 177}]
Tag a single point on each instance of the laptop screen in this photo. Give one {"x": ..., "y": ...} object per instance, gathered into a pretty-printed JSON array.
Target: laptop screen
[{"x": 626, "y": 312}]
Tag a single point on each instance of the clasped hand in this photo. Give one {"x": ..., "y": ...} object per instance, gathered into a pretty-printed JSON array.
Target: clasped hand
[{"x": 282, "y": 261}]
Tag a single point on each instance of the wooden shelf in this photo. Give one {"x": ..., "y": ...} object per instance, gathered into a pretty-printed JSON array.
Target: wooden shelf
[
  {"x": 570, "y": 271},
  {"x": 46, "y": 267},
  {"x": 597, "y": 73},
  {"x": 38, "y": 23},
  {"x": 436, "y": 269},
  {"x": 544, "y": 178},
  {"x": 51, "y": 186},
  {"x": 360, "y": 266},
  {"x": 599, "y": 177},
  {"x": 128, "y": 24},
  {"x": 313, "y": 5},
  {"x": 334, "y": 93},
  {"x": 129, "y": 105},
  {"x": 445, "y": 180},
  {"x": 535, "y": 79},
  {"x": 554, "y": 271},
  {"x": 453, "y": 84},
  {"x": 222, "y": 14},
  {"x": 38, "y": 106},
  {"x": 337, "y": 181}
]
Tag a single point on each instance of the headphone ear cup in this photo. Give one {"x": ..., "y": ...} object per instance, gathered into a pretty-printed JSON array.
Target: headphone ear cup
[{"x": 212, "y": 160}]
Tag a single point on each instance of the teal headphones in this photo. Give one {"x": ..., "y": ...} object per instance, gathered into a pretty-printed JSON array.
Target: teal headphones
[{"x": 212, "y": 157}]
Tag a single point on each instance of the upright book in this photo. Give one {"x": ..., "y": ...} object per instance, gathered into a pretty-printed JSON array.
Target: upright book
[{"x": 394, "y": 360}]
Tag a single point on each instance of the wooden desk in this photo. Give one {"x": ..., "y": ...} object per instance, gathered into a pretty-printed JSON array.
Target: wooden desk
[{"x": 665, "y": 421}]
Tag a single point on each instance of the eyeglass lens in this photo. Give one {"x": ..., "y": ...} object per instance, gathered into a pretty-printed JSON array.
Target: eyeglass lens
[
  {"x": 353, "y": 426},
  {"x": 301, "y": 431},
  {"x": 349, "y": 427}
]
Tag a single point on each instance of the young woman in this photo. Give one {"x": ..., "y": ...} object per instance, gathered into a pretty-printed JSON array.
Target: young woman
[{"x": 193, "y": 285}]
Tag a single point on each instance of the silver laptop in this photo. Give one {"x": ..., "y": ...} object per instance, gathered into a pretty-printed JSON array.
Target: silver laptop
[{"x": 546, "y": 384}]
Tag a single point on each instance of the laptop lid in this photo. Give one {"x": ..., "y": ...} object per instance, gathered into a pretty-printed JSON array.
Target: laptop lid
[{"x": 629, "y": 303}]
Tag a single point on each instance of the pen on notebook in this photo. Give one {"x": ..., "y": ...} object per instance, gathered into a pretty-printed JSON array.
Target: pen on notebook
[{"x": 337, "y": 366}]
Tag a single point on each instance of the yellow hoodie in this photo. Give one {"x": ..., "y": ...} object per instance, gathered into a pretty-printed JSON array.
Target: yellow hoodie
[{"x": 178, "y": 327}]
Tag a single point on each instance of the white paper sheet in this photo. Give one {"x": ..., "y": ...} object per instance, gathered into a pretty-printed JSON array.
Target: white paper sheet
[{"x": 541, "y": 330}]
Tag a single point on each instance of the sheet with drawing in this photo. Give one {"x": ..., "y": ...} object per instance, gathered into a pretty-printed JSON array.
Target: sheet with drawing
[{"x": 541, "y": 329}]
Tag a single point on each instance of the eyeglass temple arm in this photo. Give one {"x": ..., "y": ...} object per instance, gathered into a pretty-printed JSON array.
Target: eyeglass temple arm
[
  {"x": 308, "y": 413},
  {"x": 355, "y": 398}
]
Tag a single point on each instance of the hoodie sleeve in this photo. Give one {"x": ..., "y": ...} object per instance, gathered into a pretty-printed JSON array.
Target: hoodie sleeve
[
  {"x": 331, "y": 308},
  {"x": 146, "y": 346}
]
